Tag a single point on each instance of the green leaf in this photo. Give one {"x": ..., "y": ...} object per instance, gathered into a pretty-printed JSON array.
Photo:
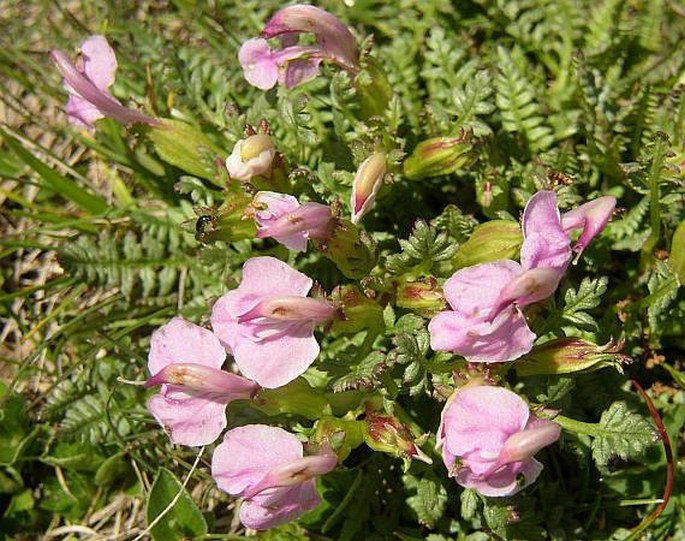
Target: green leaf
[
  {"x": 622, "y": 433},
  {"x": 586, "y": 297},
  {"x": 663, "y": 290},
  {"x": 183, "y": 520},
  {"x": 55, "y": 181},
  {"x": 677, "y": 258},
  {"x": 469, "y": 503},
  {"x": 430, "y": 500}
]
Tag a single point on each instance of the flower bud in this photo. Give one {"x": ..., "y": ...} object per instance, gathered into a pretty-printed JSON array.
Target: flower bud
[
  {"x": 359, "y": 312},
  {"x": 491, "y": 241},
  {"x": 367, "y": 182},
  {"x": 188, "y": 148},
  {"x": 439, "y": 156},
  {"x": 387, "y": 434},
  {"x": 251, "y": 157},
  {"x": 568, "y": 355},
  {"x": 353, "y": 253},
  {"x": 423, "y": 296}
]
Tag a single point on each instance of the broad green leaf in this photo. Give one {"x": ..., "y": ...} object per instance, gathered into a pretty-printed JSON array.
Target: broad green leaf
[{"x": 183, "y": 520}]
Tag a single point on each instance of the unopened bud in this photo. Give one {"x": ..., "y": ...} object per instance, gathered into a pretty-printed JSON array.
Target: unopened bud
[
  {"x": 439, "y": 156},
  {"x": 251, "y": 157},
  {"x": 358, "y": 312},
  {"x": 387, "y": 434},
  {"x": 367, "y": 182},
  {"x": 188, "y": 148},
  {"x": 353, "y": 253},
  {"x": 568, "y": 355},
  {"x": 491, "y": 241},
  {"x": 423, "y": 296}
]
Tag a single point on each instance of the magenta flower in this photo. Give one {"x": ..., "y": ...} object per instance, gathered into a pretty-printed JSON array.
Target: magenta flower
[
  {"x": 282, "y": 217},
  {"x": 87, "y": 82},
  {"x": 267, "y": 323},
  {"x": 265, "y": 466},
  {"x": 186, "y": 361},
  {"x": 294, "y": 64},
  {"x": 488, "y": 437}
]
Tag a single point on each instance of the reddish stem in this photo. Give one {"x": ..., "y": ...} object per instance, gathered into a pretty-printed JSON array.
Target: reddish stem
[{"x": 670, "y": 467}]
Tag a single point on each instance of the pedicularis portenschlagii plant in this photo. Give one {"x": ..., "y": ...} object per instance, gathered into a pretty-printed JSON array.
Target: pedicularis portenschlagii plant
[{"x": 384, "y": 272}]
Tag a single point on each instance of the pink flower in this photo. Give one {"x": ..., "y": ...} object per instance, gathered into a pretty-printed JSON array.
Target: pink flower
[
  {"x": 186, "y": 361},
  {"x": 485, "y": 323},
  {"x": 470, "y": 328},
  {"x": 488, "y": 437},
  {"x": 294, "y": 64},
  {"x": 282, "y": 217},
  {"x": 87, "y": 82},
  {"x": 265, "y": 466},
  {"x": 367, "y": 182},
  {"x": 267, "y": 323}
]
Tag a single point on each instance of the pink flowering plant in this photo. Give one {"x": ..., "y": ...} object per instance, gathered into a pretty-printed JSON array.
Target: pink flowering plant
[{"x": 352, "y": 270}]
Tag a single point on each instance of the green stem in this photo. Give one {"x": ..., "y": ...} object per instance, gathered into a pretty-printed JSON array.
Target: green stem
[
  {"x": 660, "y": 146},
  {"x": 580, "y": 427}
]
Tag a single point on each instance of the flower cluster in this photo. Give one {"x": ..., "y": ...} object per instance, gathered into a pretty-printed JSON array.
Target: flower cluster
[
  {"x": 267, "y": 325},
  {"x": 488, "y": 435}
]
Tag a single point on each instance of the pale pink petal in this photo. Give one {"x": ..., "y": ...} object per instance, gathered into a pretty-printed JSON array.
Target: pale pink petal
[
  {"x": 192, "y": 421},
  {"x": 503, "y": 483},
  {"x": 180, "y": 341},
  {"x": 260, "y": 68},
  {"x": 268, "y": 276},
  {"x": 225, "y": 325},
  {"x": 249, "y": 452},
  {"x": 504, "y": 339},
  {"x": 473, "y": 291},
  {"x": 259, "y": 514},
  {"x": 273, "y": 363},
  {"x": 530, "y": 286},
  {"x": 99, "y": 61},
  {"x": 481, "y": 419},
  {"x": 545, "y": 243}
]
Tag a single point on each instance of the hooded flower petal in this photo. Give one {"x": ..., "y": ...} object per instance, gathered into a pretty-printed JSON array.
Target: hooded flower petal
[
  {"x": 282, "y": 217},
  {"x": 87, "y": 83},
  {"x": 336, "y": 41},
  {"x": 592, "y": 218},
  {"x": 293, "y": 64},
  {"x": 185, "y": 360}
]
